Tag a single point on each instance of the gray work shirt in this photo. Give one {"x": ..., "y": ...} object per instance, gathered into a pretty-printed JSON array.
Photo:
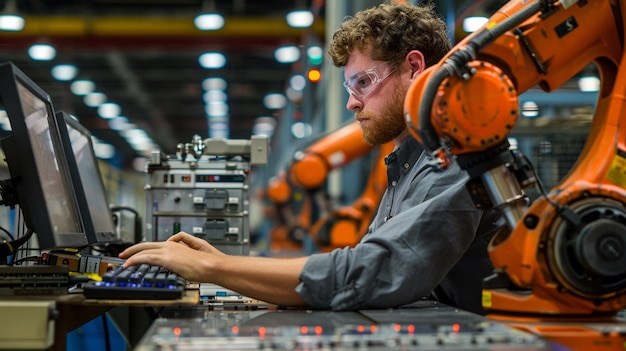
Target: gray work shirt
[{"x": 421, "y": 243}]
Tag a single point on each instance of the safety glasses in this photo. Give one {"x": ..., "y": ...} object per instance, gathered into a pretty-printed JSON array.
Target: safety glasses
[{"x": 362, "y": 83}]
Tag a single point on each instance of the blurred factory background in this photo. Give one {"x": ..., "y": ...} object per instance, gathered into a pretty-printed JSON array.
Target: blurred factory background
[{"x": 144, "y": 75}]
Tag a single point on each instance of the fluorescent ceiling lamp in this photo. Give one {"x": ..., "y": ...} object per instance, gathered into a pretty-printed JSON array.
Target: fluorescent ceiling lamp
[
  {"x": 118, "y": 123},
  {"x": 104, "y": 151},
  {"x": 301, "y": 130},
  {"x": 11, "y": 23},
  {"x": 214, "y": 96},
  {"x": 274, "y": 101},
  {"x": 10, "y": 20},
  {"x": 530, "y": 109},
  {"x": 589, "y": 84},
  {"x": 297, "y": 82},
  {"x": 94, "y": 99},
  {"x": 64, "y": 72},
  {"x": 42, "y": 52},
  {"x": 109, "y": 110},
  {"x": 212, "y": 60},
  {"x": 472, "y": 24},
  {"x": 299, "y": 19},
  {"x": 214, "y": 83},
  {"x": 209, "y": 21},
  {"x": 287, "y": 54},
  {"x": 217, "y": 109},
  {"x": 82, "y": 87}
]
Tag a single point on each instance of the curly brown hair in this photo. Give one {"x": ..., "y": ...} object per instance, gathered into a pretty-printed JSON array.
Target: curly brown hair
[{"x": 393, "y": 29}]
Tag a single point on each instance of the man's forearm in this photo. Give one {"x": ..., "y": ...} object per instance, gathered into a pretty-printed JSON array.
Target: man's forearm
[{"x": 271, "y": 280}]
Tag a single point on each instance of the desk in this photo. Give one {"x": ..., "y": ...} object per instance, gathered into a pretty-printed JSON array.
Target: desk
[{"x": 70, "y": 312}]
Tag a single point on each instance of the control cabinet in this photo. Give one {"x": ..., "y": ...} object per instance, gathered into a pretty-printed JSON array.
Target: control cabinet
[{"x": 202, "y": 194}]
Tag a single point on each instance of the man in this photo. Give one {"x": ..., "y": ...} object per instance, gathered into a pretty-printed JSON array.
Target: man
[{"x": 423, "y": 239}]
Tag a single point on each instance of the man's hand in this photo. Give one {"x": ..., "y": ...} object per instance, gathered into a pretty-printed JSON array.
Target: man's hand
[{"x": 184, "y": 254}]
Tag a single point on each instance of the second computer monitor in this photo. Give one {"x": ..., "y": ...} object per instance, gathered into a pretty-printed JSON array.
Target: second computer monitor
[{"x": 78, "y": 146}]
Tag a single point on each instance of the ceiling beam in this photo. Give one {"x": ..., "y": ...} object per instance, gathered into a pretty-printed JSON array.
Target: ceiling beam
[{"x": 156, "y": 27}]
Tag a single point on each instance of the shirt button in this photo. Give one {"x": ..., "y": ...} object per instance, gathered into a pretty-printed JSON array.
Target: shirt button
[
  {"x": 406, "y": 165},
  {"x": 394, "y": 183}
]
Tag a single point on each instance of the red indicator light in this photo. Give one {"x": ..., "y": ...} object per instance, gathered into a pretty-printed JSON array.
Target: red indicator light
[
  {"x": 262, "y": 332},
  {"x": 304, "y": 330},
  {"x": 360, "y": 328},
  {"x": 318, "y": 330},
  {"x": 235, "y": 330},
  {"x": 411, "y": 329},
  {"x": 176, "y": 331},
  {"x": 456, "y": 327},
  {"x": 186, "y": 178},
  {"x": 397, "y": 328}
]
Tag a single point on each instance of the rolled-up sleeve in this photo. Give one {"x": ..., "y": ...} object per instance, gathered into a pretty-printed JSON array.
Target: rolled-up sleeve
[{"x": 400, "y": 262}]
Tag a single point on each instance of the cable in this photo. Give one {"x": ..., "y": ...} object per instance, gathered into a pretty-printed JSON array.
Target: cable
[
  {"x": 7, "y": 248},
  {"x": 11, "y": 237},
  {"x": 105, "y": 329}
]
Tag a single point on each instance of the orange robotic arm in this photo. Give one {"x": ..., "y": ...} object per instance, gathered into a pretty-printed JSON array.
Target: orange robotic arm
[
  {"x": 304, "y": 179},
  {"x": 566, "y": 253},
  {"x": 345, "y": 226},
  {"x": 311, "y": 166}
]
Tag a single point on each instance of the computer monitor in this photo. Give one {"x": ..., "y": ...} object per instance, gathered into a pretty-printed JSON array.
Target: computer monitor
[
  {"x": 39, "y": 173},
  {"x": 78, "y": 147}
]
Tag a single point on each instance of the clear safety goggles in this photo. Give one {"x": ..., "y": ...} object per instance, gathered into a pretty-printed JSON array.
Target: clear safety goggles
[{"x": 362, "y": 83}]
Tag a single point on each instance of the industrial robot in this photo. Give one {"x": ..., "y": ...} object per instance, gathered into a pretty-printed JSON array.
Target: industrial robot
[
  {"x": 562, "y": 259},
  {"x": 328, "y": 225}
]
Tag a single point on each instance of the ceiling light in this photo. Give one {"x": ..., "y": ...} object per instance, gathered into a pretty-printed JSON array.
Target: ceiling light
[
  {"x": 10, "y": 20},
  {"x": 297, "y": 82},
  {"x": 109, "y": 110},
  {"x": 589, "y": 84},
  {"x": 64, "y": 72},
  {"x": 94, "y": 99},
  {"x": 474, "y": 23},
  {"x": 42, "y": 52},
  {"x": 530, "y": 109},
  {"x": 216, "y": 109},
  {"x": 287, "y": 54},
  {"x": 104, "y": 151},
  {"x": 299, "y": 18},
  {"x": 118, "y": 123},
  {"x": 209, "y": 18},
  {"x": 214, "y": 96},
  {"x": 82, "y": 87},
  {"x": 274, "y": 101},
  {"x": 264, "y": 126},
  {"x": 301, "y": 130},
  {"x": 212, "y": 60},
  {"x": 209, "y": 21},
  {"x": 214, "y": 83}
]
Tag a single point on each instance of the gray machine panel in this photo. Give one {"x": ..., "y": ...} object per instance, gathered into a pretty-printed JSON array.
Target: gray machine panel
[
  {"x": 203, "y": 190},
  {"x": 424, "y": 326}
]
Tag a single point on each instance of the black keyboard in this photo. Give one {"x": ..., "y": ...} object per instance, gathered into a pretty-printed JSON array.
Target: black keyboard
[{"x": 142, "y": 282}]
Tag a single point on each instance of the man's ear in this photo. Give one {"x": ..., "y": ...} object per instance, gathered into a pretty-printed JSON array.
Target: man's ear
[{"x": 416, "y": 61}]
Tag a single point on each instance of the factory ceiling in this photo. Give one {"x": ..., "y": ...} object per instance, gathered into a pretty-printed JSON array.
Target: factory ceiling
[{"x": 143, "y": 55}]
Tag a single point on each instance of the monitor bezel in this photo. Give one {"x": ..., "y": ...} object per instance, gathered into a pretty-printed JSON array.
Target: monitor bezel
[{"x": 22, "y": 166}]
